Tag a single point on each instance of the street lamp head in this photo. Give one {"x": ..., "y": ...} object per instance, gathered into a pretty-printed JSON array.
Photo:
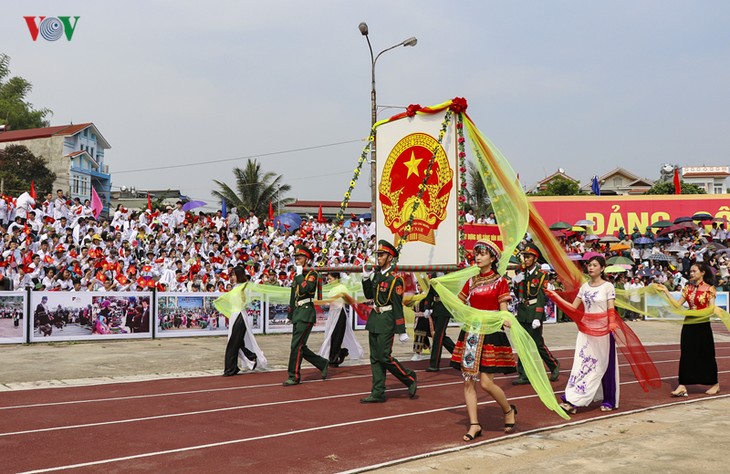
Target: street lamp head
[
  {"x": 409, "y": 42},
  {"x": 364, "y": 28}
]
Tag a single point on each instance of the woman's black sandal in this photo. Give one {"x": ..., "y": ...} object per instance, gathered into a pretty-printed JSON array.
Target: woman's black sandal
[
  {"x": 510, "y": 427},
  {"x": 468, "y": 437}
]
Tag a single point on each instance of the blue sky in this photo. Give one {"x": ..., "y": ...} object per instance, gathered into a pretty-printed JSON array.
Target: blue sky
[{"x": 586, "y": 86}]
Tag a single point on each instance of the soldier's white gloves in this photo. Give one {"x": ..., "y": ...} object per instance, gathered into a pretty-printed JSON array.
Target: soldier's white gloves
[
  {"x": 403, "y": 337},
  {"x": 427, "y": 313},
  {"x": 366, "y": 273},
  {"x": 300, "y": 269},
  {"x": 518, "y": 278},
  {"x": 535, "y": 323}
]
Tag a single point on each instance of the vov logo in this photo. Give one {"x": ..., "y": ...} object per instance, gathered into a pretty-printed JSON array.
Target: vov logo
[{"x": 51, "y": 28}]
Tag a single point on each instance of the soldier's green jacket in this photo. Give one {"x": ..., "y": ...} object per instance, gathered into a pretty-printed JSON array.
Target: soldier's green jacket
[
  {"x": 303, "y": 287},
  {"x": 385, "y": 290}
]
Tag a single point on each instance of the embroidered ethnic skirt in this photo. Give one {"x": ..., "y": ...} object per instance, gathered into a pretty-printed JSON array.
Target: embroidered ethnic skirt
[
  {"x": 496, "y": 354},
  {"x": 421, "y": 333}
]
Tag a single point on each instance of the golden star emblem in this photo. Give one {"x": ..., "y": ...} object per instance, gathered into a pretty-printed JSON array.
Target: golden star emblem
[{"x": 412, "y": 165}]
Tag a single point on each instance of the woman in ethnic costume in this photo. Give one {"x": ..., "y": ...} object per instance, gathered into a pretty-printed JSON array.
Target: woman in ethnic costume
[
  {"x": 479, "y": 357},
  {"x": 595, "y": 362},
  {"x": 697, "y": 363}
]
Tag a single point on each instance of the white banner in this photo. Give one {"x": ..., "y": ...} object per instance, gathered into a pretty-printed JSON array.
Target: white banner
[{"x": 404, "y": 149}]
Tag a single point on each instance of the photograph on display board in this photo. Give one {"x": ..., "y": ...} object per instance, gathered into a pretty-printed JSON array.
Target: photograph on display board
[
  {"x": 721, "y": 301},
  {"x": 277, "y": 320},
  {"x": 665, "y": 312},
  {"x": 64, "y": 316},
  {"x": 120, "y": 314},
  {"x": 254, "y": 312},
  {"x": 183, "y": 314},
  {"x": 12, "y": 320}
]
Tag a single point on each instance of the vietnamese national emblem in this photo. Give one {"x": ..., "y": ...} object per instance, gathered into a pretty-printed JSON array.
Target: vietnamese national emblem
[{"x": 403, "y": 173}]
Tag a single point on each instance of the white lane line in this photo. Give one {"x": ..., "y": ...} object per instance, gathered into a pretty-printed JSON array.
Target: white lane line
[
  {"x": 193, "y": 392},
  {"x": 241, "y": 407},
  {"x": 222, "y": 389},
  {"x": 519, "y": 434},
  {"x": 353, "y": 423}
]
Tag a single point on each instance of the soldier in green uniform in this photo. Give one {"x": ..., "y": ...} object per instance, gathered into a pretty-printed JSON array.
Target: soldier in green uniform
[
  {"x": 635, "y": 234},
  {"x": 649, "y": 234},
  {"x": 440, "y": 317},
  {"x": 385, "y": 320},
  {"x": 621, "y": 233},
  {"x": 530, "y": 291},
  {"x": 303, "y": 317}
]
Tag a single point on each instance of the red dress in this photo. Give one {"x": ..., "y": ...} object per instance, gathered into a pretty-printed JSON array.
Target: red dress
[{"x": 486, "y": 291}]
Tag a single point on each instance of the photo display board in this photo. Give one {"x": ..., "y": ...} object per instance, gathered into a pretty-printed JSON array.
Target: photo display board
[
  {"x": 13, "y": 317},
  {"x": 71, "y": 315}
]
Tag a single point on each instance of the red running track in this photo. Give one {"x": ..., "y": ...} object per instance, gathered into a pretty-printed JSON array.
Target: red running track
[{"x": 226, "y": 424}]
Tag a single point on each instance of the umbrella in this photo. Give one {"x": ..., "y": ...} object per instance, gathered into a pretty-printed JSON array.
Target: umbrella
[
  {"x": 663, "y": 239},
  {"x": 644, "y": 241},
  {"x": 558, "y": 233},
  {"x": 190, "y": 205},
  {"x": 660, "y": 257},
  {"x": 715, "y": 246},
  {"x": 661, "y": 224},
  {"x": 585, "y": 223},
  {"x": 702, "y": 216},
  {"x": 560, "y": 225},
  {"x": 619, "y": 260},
  {"x": 590, "y": 255},
  {"x": 619, "y": 247},
  {"x": 648, "y": 272},
  {"x": 679, "y": 220},
  {"x": 676, "y": 248},
  {"x": 675, "y": 228},
  {"x": 727, "y": 251},
  {"x": 614, "y": 269},
  {"x": 609, "y": 238},
  {"x": 592, "y": 237},
  {"x": 288, "y": 221},
  {"x": 578, "y": 229},
  {"x": 722, "y": 220}
]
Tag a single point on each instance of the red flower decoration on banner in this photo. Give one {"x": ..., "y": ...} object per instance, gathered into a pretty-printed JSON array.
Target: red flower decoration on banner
[
  {"x": 412, "y": 109},
  {"x": 458, "y": 105}
]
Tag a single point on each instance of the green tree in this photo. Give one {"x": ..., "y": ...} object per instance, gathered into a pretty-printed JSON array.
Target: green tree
[
  {"x": 19, "y": 167},
  {"x": 560, "y": 186},
  {"x": 476, "y": 194},
  {"x": 254, "y": 190},
  {"x": 667, "y": 187},
  {"x": 15, "y": 111}
]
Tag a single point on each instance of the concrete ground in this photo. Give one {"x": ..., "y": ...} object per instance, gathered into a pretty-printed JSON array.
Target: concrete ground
[{"x": 683, "y": 437}]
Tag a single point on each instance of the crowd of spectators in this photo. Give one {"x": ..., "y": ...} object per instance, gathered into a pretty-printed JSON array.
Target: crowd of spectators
[
  {"x": 639, "y": 259},
  {"x": 58, "y": 245}
]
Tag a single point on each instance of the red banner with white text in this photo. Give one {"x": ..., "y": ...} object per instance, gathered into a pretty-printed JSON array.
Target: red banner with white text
[{"x": 475, "y": 232}]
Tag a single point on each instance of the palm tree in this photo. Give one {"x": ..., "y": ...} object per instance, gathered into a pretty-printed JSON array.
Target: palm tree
[
  {"x": 254, "y": 190},
  {"x": 476, "y": 194}
]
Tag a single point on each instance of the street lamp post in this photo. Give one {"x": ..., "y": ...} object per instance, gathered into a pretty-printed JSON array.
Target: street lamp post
[{"x": 374, "y": 108}]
